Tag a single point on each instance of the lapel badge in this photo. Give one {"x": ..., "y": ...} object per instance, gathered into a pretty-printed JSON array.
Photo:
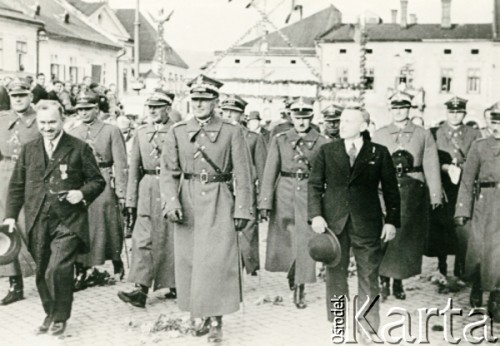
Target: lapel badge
[{"x": 63, "y": 168}]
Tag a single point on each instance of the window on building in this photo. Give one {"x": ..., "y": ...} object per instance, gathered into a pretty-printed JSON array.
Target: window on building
[
  {"x": 343, "y": 75},
  {"x": 21, "y": 51},
  {"x": 446, "y": 79},
  {"x": 408, "y": 50},
  {"x": 369, "y": 51},
  {"x": 293, "y": 61},
  {"x": 405, "y": 76},
  {"x": 447, "y": 51},
  {"x": 369, "y": 79},
  {"x": 343, "y": 51},
  {"x": 73, "y": 74},
  {"x": 473, "y": 81},
  {"x": 55, "y": 71},
  {"x": 1, "y": 53},
  {"x": 236, "y": 61},
  {"x": 474, "y": 51},
  {"x": 268, "y": 61}
]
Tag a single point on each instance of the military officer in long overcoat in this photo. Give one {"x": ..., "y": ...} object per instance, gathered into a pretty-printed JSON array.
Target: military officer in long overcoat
[
  {"x": 478, "y": 201},
  {"x": 105, "y": 214},
  {"x": 233, "y": 108},
  {"x": 284, "y": 199},
  {"x": 153, "y": 235},
  {"x": 206, "y": 188},
  {"x": 416, "y": 159},
  {"x": 17, "y": 127},
  {"x": 453, "y": 140}
]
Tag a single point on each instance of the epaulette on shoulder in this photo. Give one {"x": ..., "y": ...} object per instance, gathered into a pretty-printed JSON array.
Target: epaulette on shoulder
[
  {"x": 4, "y": 113},
  {"x": 143, "y": 126},
  {"x": 180, "y": 123},
  {"x": 481, "y": 139},
  {"x": 280, "y": 134},
  {"x": 230, "y": 122}
]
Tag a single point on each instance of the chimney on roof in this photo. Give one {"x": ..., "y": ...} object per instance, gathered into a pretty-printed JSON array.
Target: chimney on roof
[
  {"x": 404, "y": 14},
  {"x": 446, "y": 14},
  {"x": 394, "y": 16},
  {"x": 496, "y": 19},
  {"x": 413, "y": 18}
]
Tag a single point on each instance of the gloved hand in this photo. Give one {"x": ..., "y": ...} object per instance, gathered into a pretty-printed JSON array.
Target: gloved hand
[
  {"x": 264, "y": 214},
  {"x": 175, "y": 215},
  {"x": 318, "y": 224},
  {"x": 131, "y": 218},
  {"x": 121, "y": 205},
  {"x": 11, "y": 223},
  {"x": 239, "y": 224},
  {"x": 461, "y": 220}
]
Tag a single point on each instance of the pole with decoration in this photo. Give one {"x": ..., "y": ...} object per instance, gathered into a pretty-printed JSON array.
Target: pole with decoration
[
  {"x": 161, "y": 51},
  {"x": 362, "y": 39}
]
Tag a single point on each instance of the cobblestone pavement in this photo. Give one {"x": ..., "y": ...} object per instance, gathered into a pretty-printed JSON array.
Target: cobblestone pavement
[{"x": 100, "y": 318}]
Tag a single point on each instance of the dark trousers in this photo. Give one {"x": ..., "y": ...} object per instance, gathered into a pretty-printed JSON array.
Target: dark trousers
[
  {"x": 54, "y": 249},
  {"x": 368, "y": 254}
]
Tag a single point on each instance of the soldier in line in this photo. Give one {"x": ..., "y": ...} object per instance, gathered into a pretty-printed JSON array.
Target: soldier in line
[
  {"x": 153, "y": 235},
  {"x": 206, "y": 188},
  {"x": 233, "y": 108},
  {"x": 478, "y": 203},
  {"x": 253, "y": 124},
  {"x": 105, "y": 219},
  {"x": 284, "y": 199},
  {"x": 415, "y": 157},
  {"x": 17, "y": 127},
  {"x": 331, "y": 117},
  {"x": 453, "y": 140},
  {"x": 287, "y": 122}
]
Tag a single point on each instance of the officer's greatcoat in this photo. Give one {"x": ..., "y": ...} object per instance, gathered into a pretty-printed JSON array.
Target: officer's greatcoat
[
  {"x": 105, "y": 219},
  {"x": 286, "y": 197},
  {"x": 153, "y": 236},
  {"x": 14, "y": 132},
  {"x": 206, "y": 252},
  {"x": 483, "y": 207},
  {"x": 403, "y": 256}
]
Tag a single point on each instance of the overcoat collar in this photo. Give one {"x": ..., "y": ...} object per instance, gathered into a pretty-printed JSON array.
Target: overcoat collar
[
  {"x": 30, "y": 117},
  {"x": 150, "y": 128},
  {"x": 409, "y": 128},
  {"x": 211, "y": 128},
  {"x": 93, "y": 129},
  {"x": 309, "y": 139},
  {"x": 494, "y": 144},
  {"x": 449, "y": 131}
]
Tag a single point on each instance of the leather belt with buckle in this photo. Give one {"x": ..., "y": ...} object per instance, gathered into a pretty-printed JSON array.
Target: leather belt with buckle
[
  {"x": 10, "y": 158},
  {"x": 155, "y": 171},
  {"x": 487, "y": 184},
  {"x": 209, "y": 177},
  {"x": 105, "y": 164},
  {"x": 400, "y": 170},
  {"x": 297, "y": 175}
]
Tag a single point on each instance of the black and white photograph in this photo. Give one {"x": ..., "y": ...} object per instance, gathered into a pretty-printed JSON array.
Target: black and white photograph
[{"x": 249, "y": 172}]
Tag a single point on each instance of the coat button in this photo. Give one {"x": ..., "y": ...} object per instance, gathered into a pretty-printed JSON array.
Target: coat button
[
  {"x": 203, "y": 193},
  {"x": 298, "y": 188},
  {"x": 202, "y": 135}
]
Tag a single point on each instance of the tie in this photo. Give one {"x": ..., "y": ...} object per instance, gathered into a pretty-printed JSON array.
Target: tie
[
  {"x": 50, "y": 149},
  {"x": 352, "y": 154}
]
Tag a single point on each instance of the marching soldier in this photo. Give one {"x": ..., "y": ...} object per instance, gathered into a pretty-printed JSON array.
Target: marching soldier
[
  {"x": 153, "y": 235},
  {"x": 17, "y": 127},
  {"x": 233, "y": 108},
  {"x": 105, "y": 219},
  {"x": 477, "y": 201},
  {"x": 331, "y": 117},
  {"x": 206, "y": 190},
  {"x": 284, "y": 199},
  {"x": 453, "y": 140},
  {"x": 253, "y": 124},
  {"x": 287, "y": 122},
  {"x": 415, "y": 157}
]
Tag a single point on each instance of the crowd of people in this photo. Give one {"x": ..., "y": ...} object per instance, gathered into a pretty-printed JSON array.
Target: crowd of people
[{"x": 192, "y": 193}]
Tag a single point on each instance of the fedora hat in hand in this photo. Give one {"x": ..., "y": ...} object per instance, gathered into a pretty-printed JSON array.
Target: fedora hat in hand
[
  {"x": 325, "y": 247},
  {"x": 10, "y": 244}
]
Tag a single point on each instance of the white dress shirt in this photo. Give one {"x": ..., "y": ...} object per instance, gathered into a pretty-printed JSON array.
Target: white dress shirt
[
  {"x": 55, "y": 142},
  {"x": 358, "y": 143}
]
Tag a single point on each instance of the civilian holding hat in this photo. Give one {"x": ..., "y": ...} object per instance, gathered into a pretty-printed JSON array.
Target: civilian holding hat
[
  {"x": 478, "y": 204},
  {"x": 454, "y": 140},
  {"x": 344, "y": 197},
  {"x": 55, "y": 179},
  {"x": 17, "y": 127},
  {"x": 283, "y": 199},
  {"x": 106, "y": 223},
  {"x": 153, "y": 235},
  {"x": 415, "y": 157},
  {"x": 233, "y": 108},
  {"x": 206, "y": 188}
]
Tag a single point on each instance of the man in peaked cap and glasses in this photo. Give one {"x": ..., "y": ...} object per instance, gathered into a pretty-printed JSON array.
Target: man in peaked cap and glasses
[
  {"x": 17, "y": 127},
  {"x": 407, "y": 143},
  {"x": 331, "y": 118},
  {"x": 105, "y": 214},
  {"x": 153, "y": 235},
  {"x": 206, "y": 188},
  {"x": 283, "y": 199},
  {"x": 233, "y": 108},
  {"x": 477, "y": 204},
  {"x": 454, "y": 140}
]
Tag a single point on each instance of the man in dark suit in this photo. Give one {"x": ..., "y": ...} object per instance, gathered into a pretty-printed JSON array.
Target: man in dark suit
[
  {"x": 55, "y": 178},
  {"x": 343, "y": 195},
  {"x": 39, "y": 92}
]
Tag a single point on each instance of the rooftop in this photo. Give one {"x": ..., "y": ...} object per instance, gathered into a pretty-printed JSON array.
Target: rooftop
[{"x": 86, "y": 8}]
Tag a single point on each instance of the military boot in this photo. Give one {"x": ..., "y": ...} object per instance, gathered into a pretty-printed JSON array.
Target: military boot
[
  {"x": 172, "y": 294},
  {"x": 299, "y": 297},
  {"x": 80, "y": 277},
  {"x": 215, "y": 333},
  {"x": 494, "y": 305},
  {"x": 397, "y": 289},
  {"x": 136, "y": 297},
  {"x": 476, "y": 295},
  {"x": 203, "y": 329},
  {"x": 385, "y": 289},
  {"x": 16, "y": 290}
]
